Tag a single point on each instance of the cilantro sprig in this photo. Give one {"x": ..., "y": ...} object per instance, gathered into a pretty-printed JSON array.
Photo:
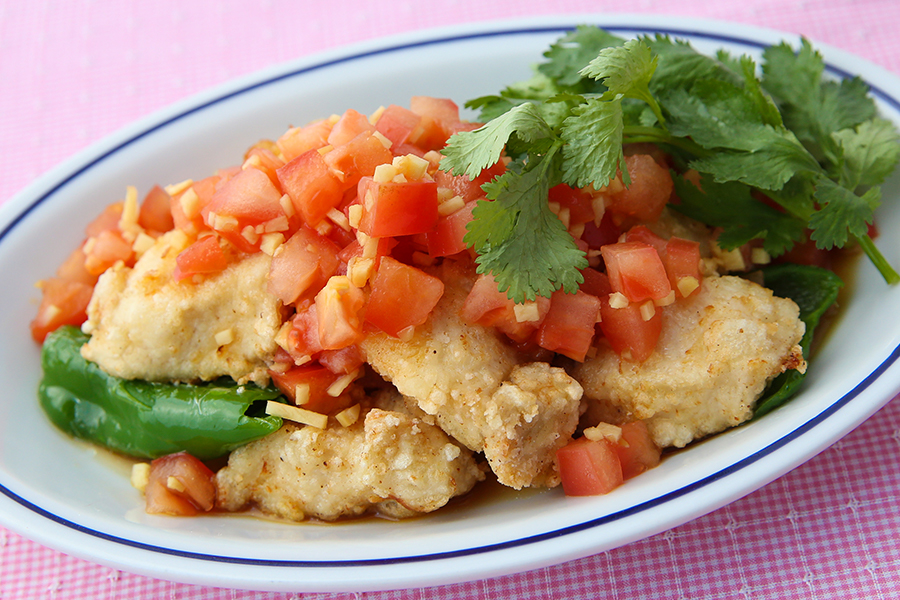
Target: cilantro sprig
[{"x": 812, "y": 146}]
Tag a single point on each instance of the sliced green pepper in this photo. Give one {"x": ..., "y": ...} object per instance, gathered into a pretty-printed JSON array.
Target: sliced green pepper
[
  {"x": 814, "y": 290},
  {"x": 147, "y": 419}
]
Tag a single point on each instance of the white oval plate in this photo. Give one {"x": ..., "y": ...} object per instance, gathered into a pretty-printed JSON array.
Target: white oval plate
[{"x": 63, "y": 494}]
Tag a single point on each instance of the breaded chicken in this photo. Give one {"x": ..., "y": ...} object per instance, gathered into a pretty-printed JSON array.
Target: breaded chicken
[
  {"x": 462, "y": 375},
  {"x": 716, "y": 353},
  {"x": 146, "y": 325},
  {"x": 387, "y": 462}
]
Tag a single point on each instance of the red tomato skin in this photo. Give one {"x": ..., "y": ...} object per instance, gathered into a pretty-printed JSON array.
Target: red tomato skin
[
  {"x": 682, "y": 259},
  {"x": 303, "y": 337},
  {"x": 588, "y": 468},
  {"x": 155, "y": 213},
  {"x": 638, "y": 453},
  {"x": 649, "y": 192},
  {"x": 356, "y": 159},
  {"x": 298, "y": 140},
  {"x": 394, "y": 209},
  {"x": 107, "y": 249},
  {"x": 197, "y": 478},
  {"x": 446, "y": 239},
  {"x": 397, "y": 124},
  {"x": 627, "y": 331},
  {"x": 636, "y": 270},
  {"x": 350, "y": 125},
  {"x": 318, "y": 378},
  {"x": 304, "y": 264},
  {"x": 579, "y": 202},
  {"x": 108, "y": 220},
  {"x": 402, "y": 296},
  {"x": 64, "y": 302},
  {"x": 311, "y": 185},
  {"x": 203, "y": 257},
  {"x": 339, "y": 320},
  {"x": 569, "y": 326}
]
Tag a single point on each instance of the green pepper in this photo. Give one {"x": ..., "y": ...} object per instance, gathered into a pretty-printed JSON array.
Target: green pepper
[
  {"x": 814, "y": 290},
  {"x": 147, "y": 419}
]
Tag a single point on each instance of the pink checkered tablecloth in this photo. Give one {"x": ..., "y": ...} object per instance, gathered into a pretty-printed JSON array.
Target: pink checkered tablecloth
[{"x": 71, "y": 73}]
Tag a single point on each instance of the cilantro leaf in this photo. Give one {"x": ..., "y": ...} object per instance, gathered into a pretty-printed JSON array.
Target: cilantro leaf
[
  {"x": 843, "y": 213},
  {"x": 768, "y": 168},
  {"x": 626, "y": 71},
  {"x": 573, "y": 52},
  {"x": 742, "y": 218},
  {"x": 870, "y": 152},
  {"x": 593, "y": 149},
  {"x": 680, "y": 65},
  {"x": 520, "y": 241},
  {"x": 470, "y": 152}
]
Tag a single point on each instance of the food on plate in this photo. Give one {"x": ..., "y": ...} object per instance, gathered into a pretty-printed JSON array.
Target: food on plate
[{"x": 374, "y": 313}]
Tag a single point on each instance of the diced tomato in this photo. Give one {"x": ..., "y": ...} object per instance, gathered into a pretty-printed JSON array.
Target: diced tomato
[
  {"x": 682, "y": 259},
  {"x": 570, "y": 323},
  {"x": 108, "y": 220},
  {"x": 637, "y": 451},
  {"x": 578, "y": 203},
  {"x": 311, "y": 185},
  {"x": 203, "y": 257},
  {"x": 350, "y": 125},
  {"x": 64, "y": 302},
  {"x": 309, "y": 384},
  {"x": 156, "y": 214},
  {"x": 396, "y": 124},
  {"x": 597, "y": 236},
  {"x": 303, "y": 337},
  {"x": 186, "y": 207},
  {"x": 304, "y": 263},
  {"x": 73, "y": 268},
  {"x": 393, "y": 209},
  {"x": 180, "y": 485},
  {"x": 641, "y": 233},
  {"x": 636, "y": 270},
  {"x": 262, "y": 158},
  {"x": 357, "y": 158},
  {"x": 299, "y": 140},
  {"x": 240, "y": 205},
  {"x": 650, "y": 189},
  {"x": 343, "y": 360},
  {"x": 488, "y": 306},
  {"x": 106, "y": 249},
  {"x": 627, "y": 332},
  {"x": 465, "y": 188},
  {"x": 588, "y": 468},
  {"x": 338, "y": 307},
  {"x": 446, "y": 239},
  {"x": 440, "y": 118},
  {"x": 354, "y": 249},
  {"x": 402, "y": 296},
  {"x": 595, "y": 283}
]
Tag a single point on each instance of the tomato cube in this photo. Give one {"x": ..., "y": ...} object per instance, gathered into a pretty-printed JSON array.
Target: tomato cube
[
  {"x": 397, "y": 208},
  {"x": 155, "y": 213},
  {"x": 180, "y": 485},
  {"x": 636, "y": 270},
  {"x": 64, "y": 302},
  {"x": 203, "y": 257},
  {"x": 637, "y": 450},
  {"x": 311, "y": 185},
  {"x": 299, "y": 140},
  {"x": 308, "y": 385},
  {"x": 628, "y": 332},
  {"x": 682, "y": 260},
  {"x": 402, "y": 296},
  {"x": 569, "y": 326},
  {"x": 589, "y": 468},
  {"x": 397, "y": 124},
  {"x": 357, "y": 158},
  {"x": 446, "y": 239},
  {"x": 649, "y": 192},
  {"x": 304, "y": 263}
]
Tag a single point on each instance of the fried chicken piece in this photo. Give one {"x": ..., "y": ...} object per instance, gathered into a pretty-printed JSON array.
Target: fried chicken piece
[
  {"x": 469, "y": 379},
  {"x": 387, "y": 462},
  {"x": 717, "y": 351},
  {"x": 146, "y": 325}
]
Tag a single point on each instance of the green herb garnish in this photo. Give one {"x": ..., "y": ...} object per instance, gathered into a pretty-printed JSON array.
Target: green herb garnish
[{"x": 814, "y": 147}]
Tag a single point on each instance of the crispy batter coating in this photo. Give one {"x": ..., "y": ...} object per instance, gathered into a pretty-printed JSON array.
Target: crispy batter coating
[
  {"x": 468, "y": 377},
  {"x": 146, "y": 325},
  {"x": 717, "y": 352},
  {"x": 387, "y": 462}
]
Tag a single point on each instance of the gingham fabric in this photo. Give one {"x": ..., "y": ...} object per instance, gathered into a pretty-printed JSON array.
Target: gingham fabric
[{"x": 73, "y": 73}]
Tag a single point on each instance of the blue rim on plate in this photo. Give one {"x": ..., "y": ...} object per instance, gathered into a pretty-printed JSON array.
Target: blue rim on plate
[{"x": 731, "y": 469}]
